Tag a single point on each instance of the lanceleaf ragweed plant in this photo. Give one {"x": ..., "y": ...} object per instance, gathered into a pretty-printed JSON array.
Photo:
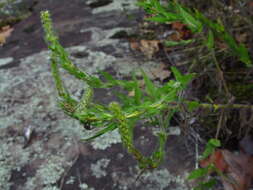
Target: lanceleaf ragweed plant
[{"x": 156, "y": 104}]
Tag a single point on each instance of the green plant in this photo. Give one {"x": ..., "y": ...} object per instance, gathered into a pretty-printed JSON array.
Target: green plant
[
  {"x": 157, "y": 104},
  {"x": 154, "y": 103},
  {"x": 196, "y": 22}
]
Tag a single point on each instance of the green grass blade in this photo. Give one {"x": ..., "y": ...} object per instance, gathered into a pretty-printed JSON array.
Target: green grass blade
[
  {"x": 194, "y": 24},
  {"x": 210, "y": 40},
  {"x": 178, "y": 43},
  {"x": 150, "y": 87}
]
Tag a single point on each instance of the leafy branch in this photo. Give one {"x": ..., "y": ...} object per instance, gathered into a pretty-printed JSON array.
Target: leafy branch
[{"x": 153, "y": 103}]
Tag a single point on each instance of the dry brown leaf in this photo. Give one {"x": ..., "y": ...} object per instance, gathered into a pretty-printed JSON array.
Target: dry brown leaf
[
  {"x": 178, "y": 26},
  {"x": 161, "y": 72},
  {"x": 240, "y": 169},
  {"x": 134, "y": 45},
  {"x": 216, "y": 159},
  {"x": 183, "y": 32},
  {"x": 149, "y": 47},
  {"x": 175, "y": 36},
  {"x": 131, "y": 93},
  {"x": 237, "y": 168},
  {"x": 5, "y": 32}
]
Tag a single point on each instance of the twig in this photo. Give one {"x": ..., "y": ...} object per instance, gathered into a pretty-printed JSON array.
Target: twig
[
  {"x": 219, "y": 124},
  {"x": 220, "y": 73}
]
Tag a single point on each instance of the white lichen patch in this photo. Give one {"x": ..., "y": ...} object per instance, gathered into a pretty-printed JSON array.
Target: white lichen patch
[
  {"x": 99, "y": 169},
  {"x": 11, "y": 158},
  {"x": 105, "y": 141},
  {"x": 101, "y": 37},
  {"x": 149, "y": 180},
  {"x": 50, "y": 188},
  {"x": 160, "y": 179},
  {"x": 84, "y": 186},
  {"x": 70, "y": 128},
  {"x": 71, "y": 180},
  {"x": 51, "y": 172},
  {"x": 96, "y": 61},
  {"x": 5, "y": 61},
  {"x": 116, "y": 5},
  {"x": 5, "y": 167}
]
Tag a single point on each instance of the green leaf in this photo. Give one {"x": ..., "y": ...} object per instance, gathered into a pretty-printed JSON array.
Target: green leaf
[
  {"x": 124, "y": 99},
  {"x": 109, "y": 78},
  {"x": 178, "y": 43},
  {"x": 111, "y": 127},
  {"x": 210, "y": 40},
  {"x": 171, "y": 16},
  {"x": 157, "y": 19},
  {"x": 244, "y": 55},
  {"x": 150, "y": 87},
  {"x": 195, "y": 174},
  {"x": 189, "y": 19},
  {"x": 182, "y": 80},
  {"x": 210, "y": 147},
  {"x": 177, "y": 74},
  {"x": 192, "y": 105},
  {"x": 214, "y": 142},
  {"x": 157, "y": 5},
  {"x": 206, "y": 185}
]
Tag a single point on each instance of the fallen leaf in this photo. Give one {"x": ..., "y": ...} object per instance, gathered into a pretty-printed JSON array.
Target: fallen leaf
[
  {"x": 178, "y": 26},
  {"x": 183, "y": 32},
  {"x": 240, "y": 169},
  {"x": 5, "y": 32},
  {"x": 175, "y": 36},
  {"x": 216, "y": 159},
  {"x": 131, "y": 93},
  {"x": 134, "y": 45},
  {"x": 160, "y": 72},
  {"x": 149, "y": 47},
  {"x": 237, "y": 168}
]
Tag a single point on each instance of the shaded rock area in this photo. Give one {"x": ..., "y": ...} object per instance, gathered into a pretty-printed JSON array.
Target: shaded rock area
[{"x": 55, "y": 158}]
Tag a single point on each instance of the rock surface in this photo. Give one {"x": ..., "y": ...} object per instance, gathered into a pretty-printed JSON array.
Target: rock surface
[{"x": 55, "y": 158}]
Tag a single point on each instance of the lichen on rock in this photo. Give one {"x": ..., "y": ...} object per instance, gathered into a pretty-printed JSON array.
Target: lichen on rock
[{"x": 99, "y": 169}]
